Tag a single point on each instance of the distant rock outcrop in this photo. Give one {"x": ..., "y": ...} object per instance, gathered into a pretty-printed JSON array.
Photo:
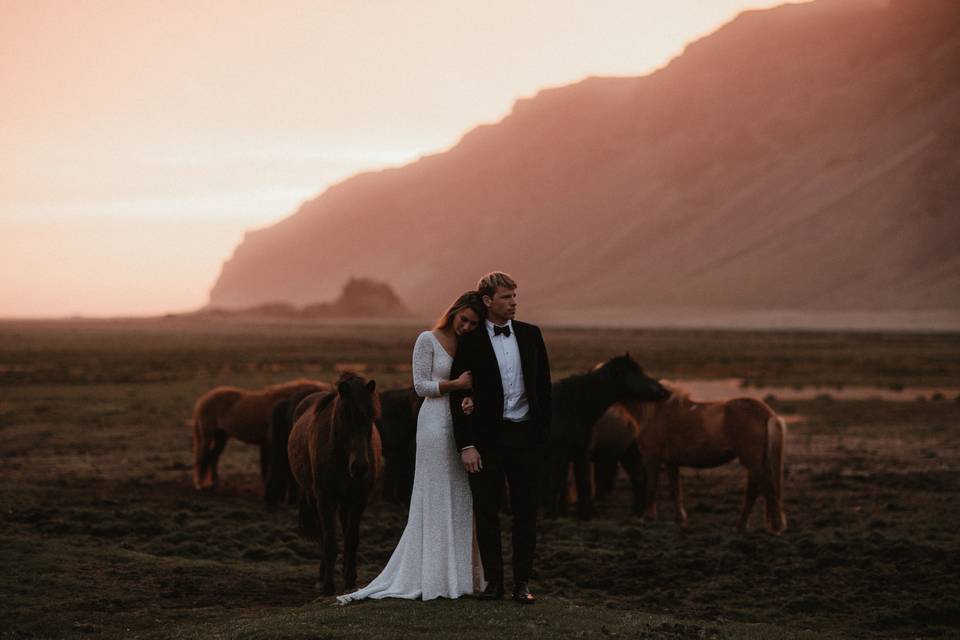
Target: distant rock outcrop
[
  {"x": 360, "y": 298},
  {"x": 802, "y": 157}
]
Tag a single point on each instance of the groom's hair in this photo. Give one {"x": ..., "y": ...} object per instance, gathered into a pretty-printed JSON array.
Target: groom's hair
[{"x": 488, "y": 284}]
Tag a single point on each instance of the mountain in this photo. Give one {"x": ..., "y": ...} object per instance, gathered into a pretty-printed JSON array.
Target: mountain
[{"x": 805, "y": 157}]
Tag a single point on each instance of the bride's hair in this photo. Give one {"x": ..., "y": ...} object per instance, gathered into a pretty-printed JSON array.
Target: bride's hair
[{"x": 469, "y": 300}]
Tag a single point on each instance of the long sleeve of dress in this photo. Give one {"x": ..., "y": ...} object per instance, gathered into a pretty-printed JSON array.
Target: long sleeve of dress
[{"x": 423, "y": 382}]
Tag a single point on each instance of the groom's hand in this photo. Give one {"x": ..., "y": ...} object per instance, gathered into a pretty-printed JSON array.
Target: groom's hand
[{"x": 471, "y": 460}]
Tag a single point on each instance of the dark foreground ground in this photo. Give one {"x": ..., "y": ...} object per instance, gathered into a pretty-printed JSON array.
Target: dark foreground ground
[{"x": 102, "y": 535}]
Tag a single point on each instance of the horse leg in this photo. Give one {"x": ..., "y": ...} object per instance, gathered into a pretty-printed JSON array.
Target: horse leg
[
  {"x": 652, "y": 469},
  {"x": 604, "y": 475},
  {"x": 293, "y": 489},
  {"x": 274, "y": 483},
  {"x": 201, "y": 446},
  {"x": 554, "y": 472},
  {"x": 350, "y": 521},
  {"x": 749, "y": 499},
  {"x": 633, "y": 464},
  {"x": 581, "y": 473},
  {"x": 219, "y": 442},
  {"x": 676, "y": 488},
  {"x": 568, "y": 488},
  {"x": 264, "y": 463},
  {"x": 328, "y": 543}
]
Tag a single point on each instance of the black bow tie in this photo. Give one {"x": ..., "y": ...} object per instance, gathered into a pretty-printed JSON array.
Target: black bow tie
[{"x": 504, "y": 330}]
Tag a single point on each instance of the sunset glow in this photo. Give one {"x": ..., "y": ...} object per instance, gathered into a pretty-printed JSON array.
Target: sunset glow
[{"x": 141, "y": 140}]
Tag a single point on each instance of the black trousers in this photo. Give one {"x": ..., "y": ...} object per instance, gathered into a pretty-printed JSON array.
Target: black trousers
[{"x": 517, "y": 460}]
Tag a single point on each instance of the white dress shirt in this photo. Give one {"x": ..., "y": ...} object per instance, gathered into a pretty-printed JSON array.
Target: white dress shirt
[{"x": 515, "y": 405}]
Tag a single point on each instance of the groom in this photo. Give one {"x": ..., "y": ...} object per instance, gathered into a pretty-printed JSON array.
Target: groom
[{"x": 504, "y": 435}]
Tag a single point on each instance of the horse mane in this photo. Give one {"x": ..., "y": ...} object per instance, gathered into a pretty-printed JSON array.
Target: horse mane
[{"x": 678, "y": 393}]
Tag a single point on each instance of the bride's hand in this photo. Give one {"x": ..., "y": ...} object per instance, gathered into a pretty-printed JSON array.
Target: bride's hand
[
  {"x": 465, "y": 381},
  {"x": 471, "y": 460},
  {"x": 467, "y": 405}
]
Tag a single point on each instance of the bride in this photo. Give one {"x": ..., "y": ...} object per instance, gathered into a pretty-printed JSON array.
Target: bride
[{"x": 435, "y": 557}]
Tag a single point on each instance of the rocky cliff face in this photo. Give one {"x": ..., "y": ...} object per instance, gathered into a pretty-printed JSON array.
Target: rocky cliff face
[{"x": 803, "y": 157}]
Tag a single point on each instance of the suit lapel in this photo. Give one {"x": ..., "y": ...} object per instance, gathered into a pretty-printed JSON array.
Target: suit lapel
[
  {"x": 486, "y": 346},
  {"x": 525, "y": 347}
]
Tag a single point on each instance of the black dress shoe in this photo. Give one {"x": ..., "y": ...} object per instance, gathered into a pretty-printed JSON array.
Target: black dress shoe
[
  {"x": 521, "y": 594},
  {"x": 492, "y": 592}
]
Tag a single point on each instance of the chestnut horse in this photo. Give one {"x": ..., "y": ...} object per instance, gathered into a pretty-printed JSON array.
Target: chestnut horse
[
  {"x": 679, "y": 432},
  {"x": 334, "y": 453},
  {"x": 244, "y": 414}
]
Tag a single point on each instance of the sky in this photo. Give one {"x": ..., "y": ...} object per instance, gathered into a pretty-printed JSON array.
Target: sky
[{"x": 139, "y": 140}]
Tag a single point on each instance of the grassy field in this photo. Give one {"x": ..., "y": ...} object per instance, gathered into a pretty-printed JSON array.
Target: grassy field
[{"x": 103, "y": 535}]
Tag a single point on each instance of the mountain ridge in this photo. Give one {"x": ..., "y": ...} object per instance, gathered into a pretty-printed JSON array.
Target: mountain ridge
[{"x": 799, "y": 157}]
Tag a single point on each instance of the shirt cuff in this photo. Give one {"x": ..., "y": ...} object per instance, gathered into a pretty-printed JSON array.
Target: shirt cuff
[{"x": 469, "y": 446}]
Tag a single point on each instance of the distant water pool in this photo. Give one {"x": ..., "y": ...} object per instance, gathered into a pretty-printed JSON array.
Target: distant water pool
[{"x": 726, "y": 388}]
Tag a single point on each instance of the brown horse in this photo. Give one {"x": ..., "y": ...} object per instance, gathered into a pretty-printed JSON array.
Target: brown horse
[
  {"x": 244, "y": 414},
  {"x": 334, "y": 454},
  {"x": 614, "y": 442},
  {"x": 679, "y": 432}
]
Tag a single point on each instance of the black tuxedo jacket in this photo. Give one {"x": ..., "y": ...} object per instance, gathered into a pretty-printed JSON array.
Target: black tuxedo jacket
[{"x": 475, "y": 354}]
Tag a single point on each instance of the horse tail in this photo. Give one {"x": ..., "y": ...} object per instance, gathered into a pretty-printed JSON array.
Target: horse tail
[
  {"x": 776, "y": 434},
  {"x": 277, "y": 478}
]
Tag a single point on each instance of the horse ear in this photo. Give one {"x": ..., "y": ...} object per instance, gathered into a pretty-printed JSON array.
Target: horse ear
[
  {"x": 371, "y": 385},
  {"x": 343, "y": 389}
]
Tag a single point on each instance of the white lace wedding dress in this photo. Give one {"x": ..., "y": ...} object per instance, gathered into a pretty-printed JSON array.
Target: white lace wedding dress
[{"x": 436, "y": 554}]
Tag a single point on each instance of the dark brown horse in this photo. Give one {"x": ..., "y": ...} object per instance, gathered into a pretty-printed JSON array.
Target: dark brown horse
[
  {"x": 398, "y": 431},
  {"x": 679, "y": 432},
  {"x": 397, "y": 426},
  {"x": 334, "y": 452},
  {"x": 279, "y": 485},
  {"x": 578, "y": 401},
  {"x": 241, "y": 413}
]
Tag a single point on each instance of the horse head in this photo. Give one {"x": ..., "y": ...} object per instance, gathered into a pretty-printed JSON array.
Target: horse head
[
  {"x": 632, "y": 381},
  {"x": 358, "y": 405}
]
